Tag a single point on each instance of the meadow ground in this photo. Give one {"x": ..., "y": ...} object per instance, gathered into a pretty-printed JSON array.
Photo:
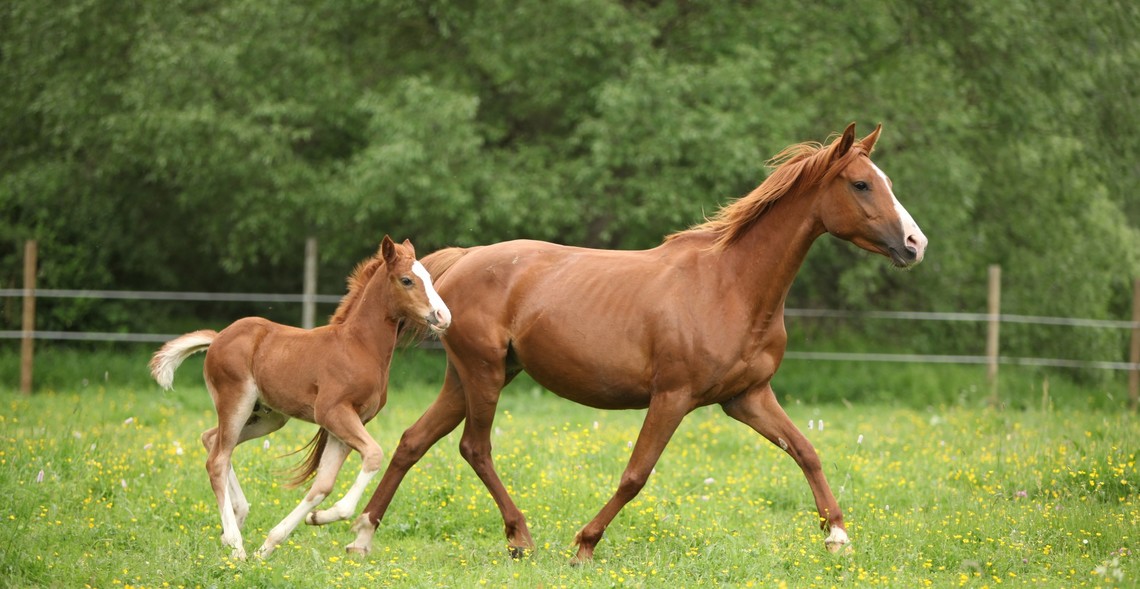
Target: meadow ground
[{"x": 104, "y": 486}]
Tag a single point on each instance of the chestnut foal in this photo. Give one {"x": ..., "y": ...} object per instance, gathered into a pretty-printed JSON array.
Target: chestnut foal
[{"x": 261, "y": 373}]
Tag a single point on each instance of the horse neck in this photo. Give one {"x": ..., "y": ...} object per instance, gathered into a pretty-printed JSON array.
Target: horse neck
[
  {"x": 370, "y": 321},
  {"x": 768, "y": 256}
]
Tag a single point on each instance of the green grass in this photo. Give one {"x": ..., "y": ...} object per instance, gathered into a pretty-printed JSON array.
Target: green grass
[{"x": 936, "y": 492}]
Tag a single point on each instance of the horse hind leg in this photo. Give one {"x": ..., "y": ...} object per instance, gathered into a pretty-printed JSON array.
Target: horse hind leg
[{"x": 760, "y": 410}]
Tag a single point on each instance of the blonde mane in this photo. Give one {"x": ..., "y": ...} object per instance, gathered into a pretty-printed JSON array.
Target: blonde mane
[
  {"x": 356, "y": 283},
  {"x": 798, "y": 167}
]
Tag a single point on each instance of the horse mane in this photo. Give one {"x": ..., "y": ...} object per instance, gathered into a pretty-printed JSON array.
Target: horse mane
[
  {"x": 360, "y": 276},
  {"x": 796, "y": 168}
]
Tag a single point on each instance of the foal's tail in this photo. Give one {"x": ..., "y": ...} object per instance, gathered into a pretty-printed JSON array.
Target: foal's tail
[
  {"x": 305, "y": 471},
  {"x": 170, "y": 356}
]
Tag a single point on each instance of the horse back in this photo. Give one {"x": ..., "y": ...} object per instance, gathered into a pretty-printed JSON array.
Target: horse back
[{"x": 604, "y": 328}]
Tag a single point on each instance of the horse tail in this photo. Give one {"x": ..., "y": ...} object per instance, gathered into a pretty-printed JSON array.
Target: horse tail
[
  {"x": 305, "y": 471},
  {"x": 170, "y": 356},
  {"x": 437, "y": 264}
]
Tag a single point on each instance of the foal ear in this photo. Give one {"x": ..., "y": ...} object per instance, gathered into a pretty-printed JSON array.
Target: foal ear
[
  {"x": 844, "y": 143},
  {"x": 411, "y": 248},
  {"x": 388, "y": 250},
  {"x": 868, "y": 142}
]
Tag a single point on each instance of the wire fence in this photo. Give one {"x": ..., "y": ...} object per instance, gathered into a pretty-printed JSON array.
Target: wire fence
[{"x": 94, "y": 336}]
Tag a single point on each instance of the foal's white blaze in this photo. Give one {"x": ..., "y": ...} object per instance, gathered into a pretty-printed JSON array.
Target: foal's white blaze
[
  {"x": 909, "y": 226},
  {"x": 437, "y": 304}
]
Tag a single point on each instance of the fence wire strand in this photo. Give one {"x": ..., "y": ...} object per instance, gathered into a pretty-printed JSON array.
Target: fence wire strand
[{"x": 791, "y": 354}]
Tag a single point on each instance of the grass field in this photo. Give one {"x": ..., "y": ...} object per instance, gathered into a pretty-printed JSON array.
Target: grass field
[{"x": 103, "y": 483}]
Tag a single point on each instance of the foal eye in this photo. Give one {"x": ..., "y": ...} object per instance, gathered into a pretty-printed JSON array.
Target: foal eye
[
  {"x": 407, "y": 281},
  {"x": 860, "y": 185}
]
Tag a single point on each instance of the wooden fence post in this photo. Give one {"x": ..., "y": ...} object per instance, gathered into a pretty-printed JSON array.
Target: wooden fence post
[
  {"x": 309, "y": 296},
  {"x": 1134, "y": 352},
  {"x": 27, "y": 338},
  {"x": 993, "y": 300}
]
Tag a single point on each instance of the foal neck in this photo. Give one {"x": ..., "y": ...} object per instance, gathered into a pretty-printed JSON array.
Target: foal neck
[{"x": 371, "y": 317}]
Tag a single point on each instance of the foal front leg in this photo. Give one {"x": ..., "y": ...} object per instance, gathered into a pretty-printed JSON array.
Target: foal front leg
[
  {"x": 331, "y": 460},
  {"x": 349, "y": 428},
  {"x": 760, "y": 410}
]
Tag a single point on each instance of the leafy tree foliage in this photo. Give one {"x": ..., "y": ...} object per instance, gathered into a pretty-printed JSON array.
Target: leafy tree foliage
[{"x": 195, "y": 144}]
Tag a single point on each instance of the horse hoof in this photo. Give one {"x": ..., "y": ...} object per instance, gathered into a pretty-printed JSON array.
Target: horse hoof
[
  {"x": 518, "y": 552},
  {"x": 356, "y": 550}
]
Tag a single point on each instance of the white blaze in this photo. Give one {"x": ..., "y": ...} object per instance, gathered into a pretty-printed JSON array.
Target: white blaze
[
  {"x": 433, "y": 297},
  {"x": 909, "y": 226}
]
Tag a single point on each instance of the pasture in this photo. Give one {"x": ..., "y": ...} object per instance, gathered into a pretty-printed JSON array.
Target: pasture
[{"x": 104, "y": 486}]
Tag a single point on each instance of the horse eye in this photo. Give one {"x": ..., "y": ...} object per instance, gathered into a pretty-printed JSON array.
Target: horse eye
[
  {"x": 406, "y": 281},
  {"x": 860, "y": 185}
]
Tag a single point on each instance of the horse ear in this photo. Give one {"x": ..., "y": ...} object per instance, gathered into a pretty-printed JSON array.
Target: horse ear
[
  {"x": 388, "y": 250},
  {"x": 411, "y": 248},
  {"x": 844, "y": 142},
  {"x": 868, "y": 142}
]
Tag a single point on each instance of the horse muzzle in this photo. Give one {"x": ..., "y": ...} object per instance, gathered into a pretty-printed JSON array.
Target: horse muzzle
[{"x": 911, "y": 251}]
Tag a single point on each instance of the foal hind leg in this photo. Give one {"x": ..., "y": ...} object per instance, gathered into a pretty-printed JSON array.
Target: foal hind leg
[
  {"x": 661, "y": 420},
  {"x": 237, "y": 497},
  {"x": 760, "y": 410},
  {"x": 233, "y": 410},
  {"x": 260, "y": 423},
  {"x": 440, "y": 419}
]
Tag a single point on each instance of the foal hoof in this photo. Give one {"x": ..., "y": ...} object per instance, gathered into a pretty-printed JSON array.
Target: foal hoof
[
  {"x": 356, "y": 550},
  {"x": 838, "y": 542}
]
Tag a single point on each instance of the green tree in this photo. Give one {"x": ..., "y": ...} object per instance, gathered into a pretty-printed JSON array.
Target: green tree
[{"x": 194, "y": 145}]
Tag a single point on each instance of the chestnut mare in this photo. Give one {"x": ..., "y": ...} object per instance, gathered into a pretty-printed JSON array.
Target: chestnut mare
[
  {"x": 261, "y": 373},
  {"x": 695, "y": 321}
]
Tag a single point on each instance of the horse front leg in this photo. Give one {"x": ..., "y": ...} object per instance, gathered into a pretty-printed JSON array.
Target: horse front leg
[
  {"x": 475, "y": 447},
  {"x": 443, "y": 416},
  {"x": 760, "y": 410},
  {"x": 666, "y": 410}
]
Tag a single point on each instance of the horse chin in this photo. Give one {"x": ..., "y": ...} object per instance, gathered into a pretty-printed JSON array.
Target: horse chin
[{"x": 903, "y": 259}]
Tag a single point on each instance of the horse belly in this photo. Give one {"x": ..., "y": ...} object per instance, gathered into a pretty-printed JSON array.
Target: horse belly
[{"x": 593, "y": 376}]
